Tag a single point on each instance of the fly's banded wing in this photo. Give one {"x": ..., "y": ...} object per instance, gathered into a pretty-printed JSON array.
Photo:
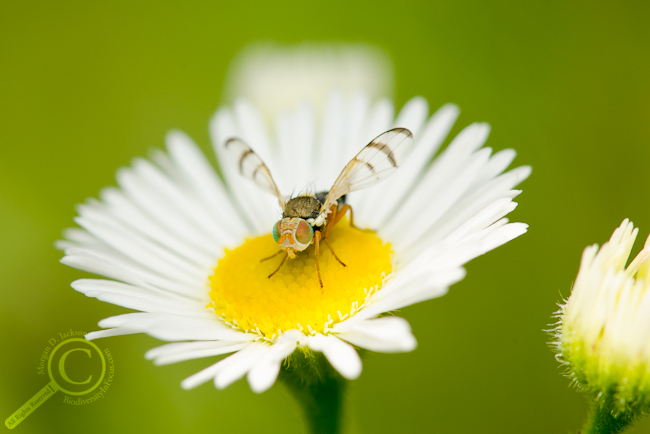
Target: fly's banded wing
[
  {"x": 252, "y": 167},
  {"x": 376, "y": 161}
]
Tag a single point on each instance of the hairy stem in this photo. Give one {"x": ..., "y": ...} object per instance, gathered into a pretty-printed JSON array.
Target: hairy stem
[
  {"x": 601, "y": 421},
  {"x": 318, "y": 388}
]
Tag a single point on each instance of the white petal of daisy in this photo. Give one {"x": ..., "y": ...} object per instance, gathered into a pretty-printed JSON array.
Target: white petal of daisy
[
  {"x": 166, "y": 234},
  {"x": 137, "y": 247},
  {"x": 430, "y": 141},
  {"x": 331, "y": 140},
  {"x": 109, "y": 333},
  {"x": 125, "y": 213},
  {"x": 295, "y": 131},
  {"x": 201, "y": 179},
  {"x": 435, "y": 184},
  {"x": 380, "y": 117},
  {"x": 137, "y": 297},
  {"x": 342, "y": 356},
  {"x": 175, "y": 327},
  {"x": 244, "y": 356},
  {"x": 413, "y": 115},
  {"x": 157, "y": 198},
  {"x": 348, "y": 121},
  {"x": 179, "y": 348},
  {"x": 223, "y": 127},
  {"x": 264, "y": 372},
  {"x": 217, "y": 348},
  {"x": 232, "y": 370},
  {"x": 115, "y": 266},
  {"x": 387, "y": 335}
]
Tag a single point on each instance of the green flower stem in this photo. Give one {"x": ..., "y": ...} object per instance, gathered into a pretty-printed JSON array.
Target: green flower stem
[
  {"x": 318, "y": 388},
  {"x": 601, "y": 421}
]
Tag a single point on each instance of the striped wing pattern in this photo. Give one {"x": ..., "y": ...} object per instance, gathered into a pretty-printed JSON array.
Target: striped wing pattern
[
  {"x": 376, "y": 161},
  {"x": 252, "y": 167}
]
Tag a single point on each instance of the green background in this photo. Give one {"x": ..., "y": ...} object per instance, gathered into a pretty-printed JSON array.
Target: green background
[{"x": 87, "y": 86}]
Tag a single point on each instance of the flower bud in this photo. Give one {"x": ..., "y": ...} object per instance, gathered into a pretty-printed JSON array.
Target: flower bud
[{"x": 603, "y": 334}]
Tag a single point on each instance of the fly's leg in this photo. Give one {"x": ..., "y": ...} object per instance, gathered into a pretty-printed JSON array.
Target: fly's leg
[
  {"x": 272, "y": 256},
  {"x": 341, "y": 213},
  {"x": 280, "y": 266},
  {"x": 337, "y": 216},
  {"x": 317, "y": 248},
  {"x": 332, "y": 250}
]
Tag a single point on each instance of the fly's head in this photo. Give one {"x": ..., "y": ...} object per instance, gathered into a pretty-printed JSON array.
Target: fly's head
[{"x": 293, "y": 235}]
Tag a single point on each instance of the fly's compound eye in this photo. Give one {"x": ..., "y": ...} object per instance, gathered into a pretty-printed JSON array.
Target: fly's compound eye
[
  {"x": 304, "y": 232},
  {"x": 276, "y": 231}
]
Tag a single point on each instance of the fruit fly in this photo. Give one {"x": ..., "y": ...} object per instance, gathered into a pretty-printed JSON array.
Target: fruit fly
[{"x": 308, "y": 218}]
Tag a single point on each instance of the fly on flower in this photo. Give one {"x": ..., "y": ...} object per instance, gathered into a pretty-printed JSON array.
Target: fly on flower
[{"x": 305, "y": 218}]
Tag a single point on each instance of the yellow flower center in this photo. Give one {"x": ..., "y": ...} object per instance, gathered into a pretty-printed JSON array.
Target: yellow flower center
[{"x": 245, "y": 298}]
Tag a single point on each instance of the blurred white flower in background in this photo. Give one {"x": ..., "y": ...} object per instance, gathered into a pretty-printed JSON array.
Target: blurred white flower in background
[{"x": 275, "y": 77}]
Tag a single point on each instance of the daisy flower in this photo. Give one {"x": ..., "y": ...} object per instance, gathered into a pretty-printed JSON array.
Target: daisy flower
[
  {"x": 604, "y": 330},
  {"x": 182, "y": 245}
]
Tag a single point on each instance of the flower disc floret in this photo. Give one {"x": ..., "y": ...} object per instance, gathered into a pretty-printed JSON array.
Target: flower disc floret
[{"x": 246, "y": 298}]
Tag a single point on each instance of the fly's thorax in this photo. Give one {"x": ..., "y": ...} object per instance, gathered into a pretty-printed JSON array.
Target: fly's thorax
[
  {"x": 293, "y": 234},
  {"x": 304, "y": 207}
]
